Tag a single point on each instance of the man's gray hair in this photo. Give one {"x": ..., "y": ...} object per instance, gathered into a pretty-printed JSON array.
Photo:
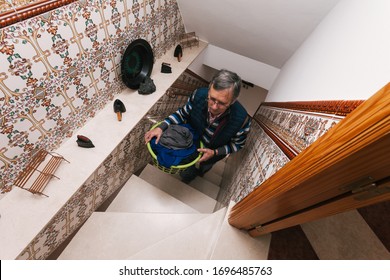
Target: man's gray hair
[{"x": 225, "y": 79}]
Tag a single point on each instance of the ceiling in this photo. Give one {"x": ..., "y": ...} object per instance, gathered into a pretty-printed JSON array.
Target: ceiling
[{"x": 268, "y": 31}]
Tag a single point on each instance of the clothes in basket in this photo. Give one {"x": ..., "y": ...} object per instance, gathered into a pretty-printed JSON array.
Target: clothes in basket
[{"x": 177, "y": 145}]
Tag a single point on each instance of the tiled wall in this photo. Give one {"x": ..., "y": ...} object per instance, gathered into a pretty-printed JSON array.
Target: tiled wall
[
  {"x": 10, "y": 5},
  {"x": 262, "y": 157},
  {"x": 60, "y": 68},
  {"x": 250, "y": 167}
]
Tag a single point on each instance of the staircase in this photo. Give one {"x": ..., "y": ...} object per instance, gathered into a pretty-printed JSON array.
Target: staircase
[{"x": 156, "y": 216}]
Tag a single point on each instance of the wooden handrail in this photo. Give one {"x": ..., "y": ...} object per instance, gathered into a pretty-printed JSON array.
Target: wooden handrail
[
  {"x": 334, "y": 107},
  {"x": 182, "y": 88},
  {"x": 197, "y": 76}
]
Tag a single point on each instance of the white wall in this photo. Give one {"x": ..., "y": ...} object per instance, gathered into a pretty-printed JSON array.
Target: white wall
[
  {"x": 201, "y": 69},
  {"x": 346, "y": 57},
  {"x": 250, "y": 70},
  {"x": 250, "y": 97}
]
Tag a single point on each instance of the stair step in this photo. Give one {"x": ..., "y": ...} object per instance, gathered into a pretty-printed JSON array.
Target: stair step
[
  {"x": 192, "y": 243},
  {"x": 138, "y": 196},
  {"x": 213, "y": 177},
  {"x": 351, "y": 244},
  {"x": 241, "y": 245},
  {"x": 177, "y": 189},
  {"x": 113, "y": 235},
  {"x": 205, "y": 186},
  {"x": 219, "y": 167}
]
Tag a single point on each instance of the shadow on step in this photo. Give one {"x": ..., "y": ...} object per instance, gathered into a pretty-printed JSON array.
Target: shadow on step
[{"x": 291, "y": 244}]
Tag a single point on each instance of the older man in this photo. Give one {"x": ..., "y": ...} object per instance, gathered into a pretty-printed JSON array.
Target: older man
[{"x": 221, "y": 121}]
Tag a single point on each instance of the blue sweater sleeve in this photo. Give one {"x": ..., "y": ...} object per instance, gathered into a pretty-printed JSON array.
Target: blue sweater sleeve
[{"x": 181, "y": 115}]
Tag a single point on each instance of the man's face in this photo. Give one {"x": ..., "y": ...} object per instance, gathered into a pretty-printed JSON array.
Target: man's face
[{"x": 219, "y": 101}]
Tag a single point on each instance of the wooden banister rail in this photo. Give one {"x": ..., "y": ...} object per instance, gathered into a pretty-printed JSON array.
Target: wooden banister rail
[
  {"x": 196, "y": 76},
  {"x": 181, "y": 88}
]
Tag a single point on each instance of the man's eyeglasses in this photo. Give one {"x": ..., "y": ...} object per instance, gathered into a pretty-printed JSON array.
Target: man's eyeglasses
[{"x": 211, "y": 100}]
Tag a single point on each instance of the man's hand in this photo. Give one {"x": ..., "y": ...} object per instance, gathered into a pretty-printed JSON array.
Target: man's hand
[
  {"x": 156, "y": 132},
  {"x": 207, "y": 154}
]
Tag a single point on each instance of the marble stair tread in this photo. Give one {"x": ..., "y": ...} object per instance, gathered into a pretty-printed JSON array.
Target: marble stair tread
[
  {"x": 181, "y": 191},
  {"x": 241, "y": 245},
  {"x": 219, "y": 167},
  {"x": 114, "y": 235},
  {"x": 213, "y": 177},
  {"x": 333, "y": 238},
  {"x": 138, "y": 196},
  {"x": 205, "y": 186},
  {"x": 195, "y": 242}
]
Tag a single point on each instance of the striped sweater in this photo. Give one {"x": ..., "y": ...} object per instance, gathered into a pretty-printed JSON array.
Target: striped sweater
[{"x": 213, "y": 135}]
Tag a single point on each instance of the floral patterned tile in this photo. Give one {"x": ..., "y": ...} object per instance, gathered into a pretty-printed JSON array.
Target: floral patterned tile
[
  {"x": 5, "y": 6},
  {"x": 299, "y": 129},
  {"x": 63, "y": 66}
]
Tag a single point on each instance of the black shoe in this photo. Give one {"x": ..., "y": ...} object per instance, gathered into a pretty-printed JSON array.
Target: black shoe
[
  {"x": 119, "y": 108},
  {"x": 189, "y": 174}
]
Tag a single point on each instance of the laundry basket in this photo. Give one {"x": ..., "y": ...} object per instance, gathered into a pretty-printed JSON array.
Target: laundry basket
[{"x": 174, "y": 169}]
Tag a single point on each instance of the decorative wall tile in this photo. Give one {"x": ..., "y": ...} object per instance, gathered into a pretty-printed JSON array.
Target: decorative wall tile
[
  {"x": 250, "y": 167},
  {"x": 60, "y": 68},
  {"x": 5, "y": 6},
  {"x": 298, "y": 129}
]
